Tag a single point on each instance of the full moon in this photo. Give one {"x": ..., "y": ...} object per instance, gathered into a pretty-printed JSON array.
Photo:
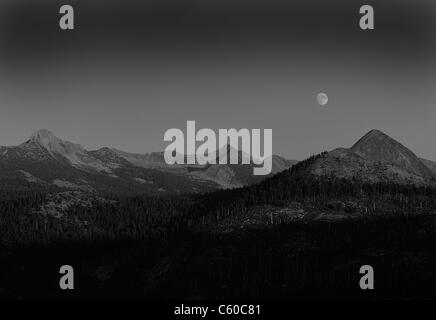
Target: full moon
[{"x": 322, "y": 99}]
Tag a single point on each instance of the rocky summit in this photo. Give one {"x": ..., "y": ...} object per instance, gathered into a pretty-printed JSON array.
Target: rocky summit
[{"x": 375, "y": 157}]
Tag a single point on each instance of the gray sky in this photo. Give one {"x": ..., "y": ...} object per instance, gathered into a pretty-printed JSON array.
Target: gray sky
[{"x": 125, "y": 76}]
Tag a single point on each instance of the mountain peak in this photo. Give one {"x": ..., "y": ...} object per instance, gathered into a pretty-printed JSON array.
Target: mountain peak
[
  {"x": 376, "y": 131},
  {"x": 372, "y": 135},
  {"x": 227, "y": 149},
  {"x": 374, "y": 141},
  {"x": 44, "y": 136},
  {"x": 54, "y": 145},
  {"x": 378, "y": 146},
  {"x": 44, "y": 132},
  {"x": 45, "y": 139}
]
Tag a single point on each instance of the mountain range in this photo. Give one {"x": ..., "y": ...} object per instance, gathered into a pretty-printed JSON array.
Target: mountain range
[{"x": 45, "y": 160}]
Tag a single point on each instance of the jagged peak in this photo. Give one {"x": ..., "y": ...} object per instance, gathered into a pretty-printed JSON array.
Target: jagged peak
[{"x": 47, "y": 140}]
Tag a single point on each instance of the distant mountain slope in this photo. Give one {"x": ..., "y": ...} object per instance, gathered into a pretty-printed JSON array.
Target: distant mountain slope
[
  {"x": 431, "y": 165},
  {"x": 46, "y": 160},
  {"x": 236, "y": 175}
]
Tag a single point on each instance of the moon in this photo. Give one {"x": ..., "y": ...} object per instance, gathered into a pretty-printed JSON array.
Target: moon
[{"x": 322, "y": 99}]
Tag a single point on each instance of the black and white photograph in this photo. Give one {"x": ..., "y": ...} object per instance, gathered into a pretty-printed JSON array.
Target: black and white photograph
[{"x": 217, "y": 150}]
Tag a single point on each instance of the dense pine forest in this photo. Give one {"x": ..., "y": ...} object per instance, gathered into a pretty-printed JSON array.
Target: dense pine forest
[{"x": 201, "y": 246}]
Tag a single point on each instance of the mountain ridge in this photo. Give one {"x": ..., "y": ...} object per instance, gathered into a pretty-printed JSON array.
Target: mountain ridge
[{"x": 46, "y": 159}]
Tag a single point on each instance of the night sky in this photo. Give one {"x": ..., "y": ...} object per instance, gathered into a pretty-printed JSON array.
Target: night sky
[{"x": 133, "y": 69}]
